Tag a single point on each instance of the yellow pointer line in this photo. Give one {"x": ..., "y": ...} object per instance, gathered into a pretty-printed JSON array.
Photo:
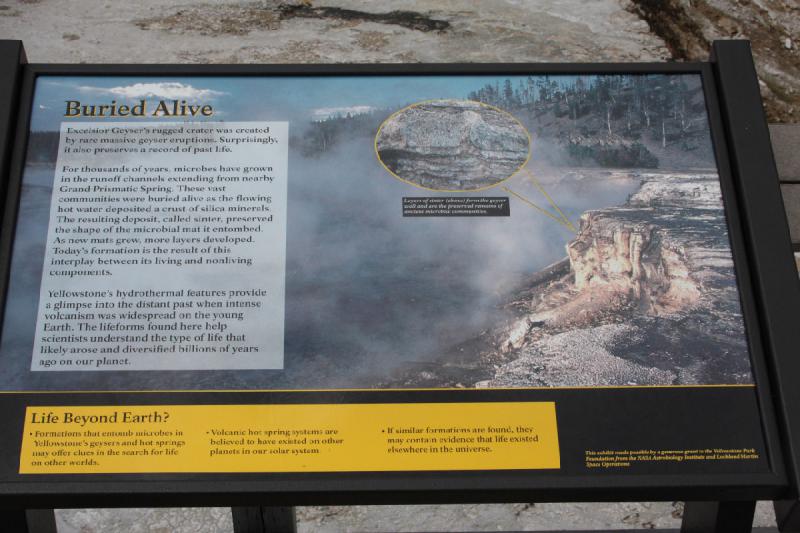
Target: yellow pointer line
[
  {"x": 549, "y": 199},
  {"x": 540, "y": 209}
]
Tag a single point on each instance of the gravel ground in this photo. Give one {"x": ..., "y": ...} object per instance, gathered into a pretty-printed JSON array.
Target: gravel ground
[
  {"x": 164, "y": 31},
  {"x": 495, "y": 517},
  {"x": 154, "y": 31}
]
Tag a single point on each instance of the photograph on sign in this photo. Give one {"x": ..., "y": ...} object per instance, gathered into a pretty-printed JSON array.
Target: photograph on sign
[{"x": 375, "y": 232}]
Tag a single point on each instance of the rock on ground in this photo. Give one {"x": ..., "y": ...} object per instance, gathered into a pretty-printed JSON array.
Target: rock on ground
[
  {"x": 664, "y": 254},
  {"x": 453, "y": 145},
  {"x": 150, "y": 31},
  {"x": 772, "y": 26},
  {"x": 154, "y": 31}
]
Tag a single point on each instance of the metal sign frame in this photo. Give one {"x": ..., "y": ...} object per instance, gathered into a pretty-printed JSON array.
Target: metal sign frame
[{"x": 764, "y": 266}]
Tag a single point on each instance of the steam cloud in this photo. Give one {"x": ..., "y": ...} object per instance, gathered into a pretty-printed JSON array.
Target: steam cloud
[{"x": 170, "y": 90}]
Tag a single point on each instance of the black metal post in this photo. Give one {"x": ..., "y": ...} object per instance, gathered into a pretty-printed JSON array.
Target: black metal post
[
  {"x": 718, "y": 517},
  {"x": 264, "y": 520},
  {"x": 12, "y": 58},
  {"x": 787, "y": 514},
  {"x": 768, "y": 238},
  {"x": 29, "y": 521}
]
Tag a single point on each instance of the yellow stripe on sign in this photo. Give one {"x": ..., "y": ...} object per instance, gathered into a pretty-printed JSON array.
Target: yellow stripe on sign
[{"x": 289, "y": 438}]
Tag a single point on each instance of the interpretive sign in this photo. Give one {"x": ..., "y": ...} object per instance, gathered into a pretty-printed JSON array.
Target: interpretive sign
[{"x": 511, "y": 278}]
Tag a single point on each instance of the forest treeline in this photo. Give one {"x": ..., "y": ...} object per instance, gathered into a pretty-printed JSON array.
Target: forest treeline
[{"x": 667, "y": 107}]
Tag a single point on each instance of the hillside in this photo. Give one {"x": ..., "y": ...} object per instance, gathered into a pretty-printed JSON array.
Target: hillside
[{"x": 617, "y": 121}]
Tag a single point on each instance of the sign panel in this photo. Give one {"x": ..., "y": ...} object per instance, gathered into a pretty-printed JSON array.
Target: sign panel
[
  {"x": 528, "y": 274},
  {"x": 600, "y": 257},
  {"x": 290, "y": 438}
]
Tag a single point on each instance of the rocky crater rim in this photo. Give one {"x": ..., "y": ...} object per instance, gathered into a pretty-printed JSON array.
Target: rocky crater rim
[
  {"x": 453, "y": 144},
  {"x": 637, "y": 278}
]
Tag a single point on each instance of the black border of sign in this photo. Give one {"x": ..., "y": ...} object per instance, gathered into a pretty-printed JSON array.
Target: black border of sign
[
  {"x": 744, "y": 212},
  {"x": 767, "y": 238}
]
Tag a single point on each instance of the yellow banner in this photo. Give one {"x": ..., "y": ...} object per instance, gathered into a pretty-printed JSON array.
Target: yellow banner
[{"x": 289, "y": 438}]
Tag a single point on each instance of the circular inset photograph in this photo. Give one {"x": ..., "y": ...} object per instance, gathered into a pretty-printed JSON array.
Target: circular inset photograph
[{"x": 452, "y": 145}]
